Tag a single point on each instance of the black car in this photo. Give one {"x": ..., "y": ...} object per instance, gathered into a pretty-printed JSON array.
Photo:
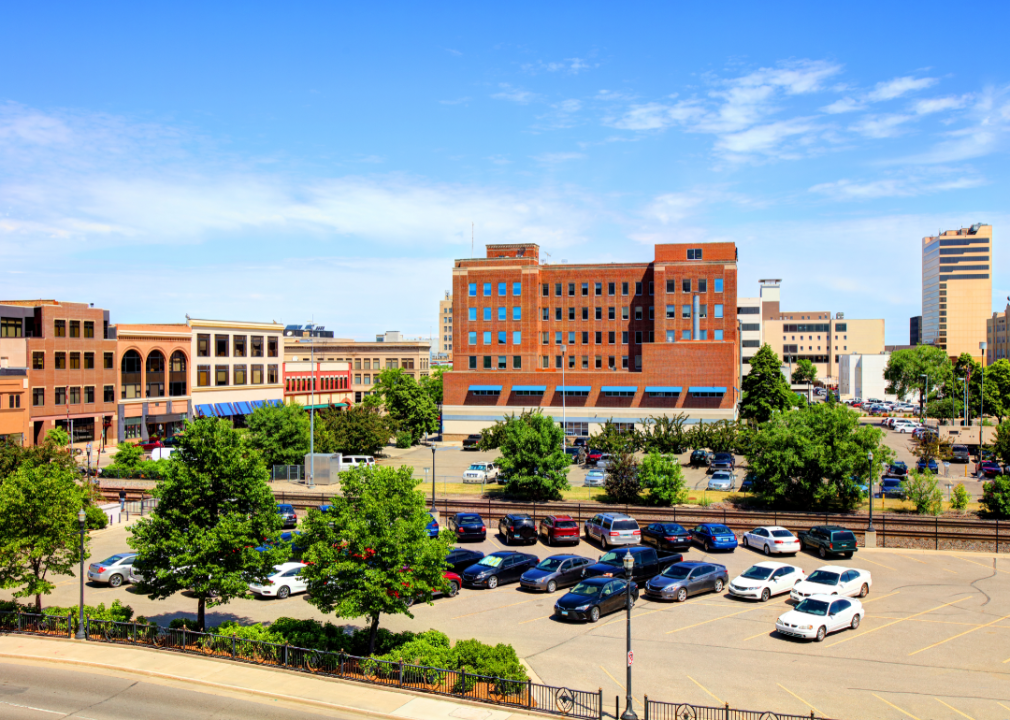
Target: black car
[
  {"x": 595, "y": 597},
  {"x": 722, "y": 461},
  {"x": 648, "y": 563},
  {"x": 467, "y": 526},
  {"x": 666, "y": 536},
  {"x": 700, "y": 457},
  {"x": 518, "y": 526},
  {"x": 288, "y": 516},
  {"x": 506, "y": 566},
  {"x": 459, "y": 559},
  {"x": 471, "y": 442},
  {"x": 554, "y": 572}
]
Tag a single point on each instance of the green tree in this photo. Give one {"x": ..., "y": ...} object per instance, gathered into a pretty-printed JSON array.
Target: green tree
[
  {"x": 905, "y": 369},
  {"x": 40, "y": 538},
  {"x": 14, "y": 456},
  {"x": 662, "y": 477},
  {"x": 281, "y": 434},
  {"x": 214, "y": 509},
  {"x": 58, "y": 436},
  {"x": 664, "y": 434},
  {"x": 128, "y": 455},
  {"x": 997, "y": 389},
  {"x": 359, "y": 430},
  {"x": 765, "y": 389},
  {"x": 960, "y": 498},
  {"x": 432, "y": 384},
  {"x": 612, "y": 439},
  {"x": 805, "y": 372},
  {"x": 532, "y": 457},
  {"x": 996, "y": 497},
  {"x": 621, "y": 482},
  {"x": 371, "y": 553},
  {"x": 923, "y": 489},
  {"x": 409, "y": 405},
  {"x": 814, "y": 458},
  {"x": 1001, "y": 448}
]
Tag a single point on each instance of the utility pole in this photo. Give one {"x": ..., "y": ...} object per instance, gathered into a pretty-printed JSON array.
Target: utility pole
[{"x": 564, "y": 416}]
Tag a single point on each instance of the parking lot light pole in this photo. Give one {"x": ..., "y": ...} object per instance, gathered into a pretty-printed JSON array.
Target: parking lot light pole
[
  {"x": 312, "y": 420},
  {"x": 564, "y": 417},
  {"x": 981, "y": 401},
  {"x": 432, "y": 476},
  {"x": 629, "y": 563},
  {"x": 81, "y": 520},
  {"x": 869, "y": 456}
]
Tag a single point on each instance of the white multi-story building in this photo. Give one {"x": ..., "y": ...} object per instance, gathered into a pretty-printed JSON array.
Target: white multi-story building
[{"x": 862, "y": 376}]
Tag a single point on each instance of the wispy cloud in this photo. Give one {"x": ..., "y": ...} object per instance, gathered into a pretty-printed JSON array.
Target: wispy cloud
[
  {"x": 555, "y": 158},
  {"x": 572, "y": 66},
  {"x": 881, "y": 126},
  {"x": 881, "y": 92},
  {"x": 457, "y": 101},
  {"x": 940, "y": 104},
  {"x": 891, "y": 187},
  {"x": 513, "y": 94}
]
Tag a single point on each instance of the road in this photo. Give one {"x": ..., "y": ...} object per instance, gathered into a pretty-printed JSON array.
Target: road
[{"x": 40, "y": 692}]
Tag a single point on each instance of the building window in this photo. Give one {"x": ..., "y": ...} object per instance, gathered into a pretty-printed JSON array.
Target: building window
[
  {"x": 59, "y": 328},
  {"x": 60, "y": 361},
  {"x": 501, "y": 289},
  {"x": 717, "y": 309},
  {"x": 545, "y": 338},
  {"x": 473, "y": 362},
  {"x": 502, "y": 362},
  {"x": 599, "y": 313},
  {"x": 38, "y": 361},
  {"x": 599, "y": 337},
  {"x": 517, "y": 337},
  {"x": 487, "y": 289},
  {"x": 585, "y": 362},
  {"x": 557, "y": 338},
  {"x": 571, "y": 338},
  {"x": 571, "y": 289},
  {"x": 203, "y": 375},
  {"x": 671, "y": 336},
  {"x": 38, "y": 397},
  {"x": 256, "y": 374},
  {"x": 624, "y": 288},
  {"x": 652, "y": 312},
  {"x": 611, "y": 288},
  {"x": 272, "y": 346},
  {"x": 75, "y": 332},
  {"x": 717, "y": 334},
  {"x": 624, "y": 363},
  {"x": 703, "y": 334},
  {"x": 487, "y": 362},
  {"x": 501, "y": 314},
  {"x": 718, "y": 284},
  {"x": 585, "y": 337},
  {"x": 357, "y": 379},
  {"x": 650, "y": 287},
  {"x": 638, "y": 312},
  {"x": 487, "y": 337},
  {"x": 60, "y": 396},
  {"x": 390, "y": 363},
  {"x": 239, "y": 345},
  {"x": 203, "y": 345},
  {"x": 611, "y": 313},
  {"x": 624, "y": 337},
  {"x": 685, "y": 334},
  {"x": 517, "y": 313},
  {"x": 703, "y": 285},
  {"x": 89, "y": 332},
  {"x": 517, "y": 362},
  {"x": 517, "y": 289},
  {"x": 558, "y": 361},
  {"x": 109, "y": 359},
  {"x": 685, "y": 285},
  {"x": 471, "y": 314},
  {"x": 610, "y": 337},
  {"x": 703, "y": 311},
  {"x": 624, "y": 312},
  {"x": 473, "y": 290},
  {"x": 75, "y": 361},
  {"x": 546, "y": 290},
  {"x": 89, "y": 361},
  {"x": 685, "y": 311},
  {"x": 10, "y": 327},
  {"x": 557, "y": 289},
  {"x": 273, "y": 376},
  {"x": 240, "y": 375},
  {"x": 638, "y": 337},
  {"x": 599, "y": 288},
  {"x": 638, "y": 288},
  {"x": 671, "y": 286},
  {"x": 487, "y": 314},
  {"x": 585, "y": 289},
  {"x": 220, "y": 375},
  {"x": 694, "y": 254},
  {"x": 501, "y": 337},
  {"x": 610, "y": 362},
  {"x": 471, "y": 338},
  {"x": 109, "y": 391}
]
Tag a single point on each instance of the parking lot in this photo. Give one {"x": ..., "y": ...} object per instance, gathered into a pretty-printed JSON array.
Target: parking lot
[{"x": 934, "y": 643}]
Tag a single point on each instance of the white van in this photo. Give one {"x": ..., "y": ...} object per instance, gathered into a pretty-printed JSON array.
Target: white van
[{"x": 350, "y": 461}]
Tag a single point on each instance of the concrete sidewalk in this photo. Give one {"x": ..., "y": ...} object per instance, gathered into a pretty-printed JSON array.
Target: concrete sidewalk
[{"x": 252, "y": 682}]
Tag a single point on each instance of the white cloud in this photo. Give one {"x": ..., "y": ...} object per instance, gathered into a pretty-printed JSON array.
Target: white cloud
[
  {"x": 558, "y": 157},
  {"x": 911, "y": 186},
  {"x": 844, "y": 105},
  {"x": 513, "y": 94},
  {"x": 764, "y": 139},
  {"x": 940, "y": 104},
  {"x": 457, "y": 101},
  {"x": 897, "y": 87},
  {"x": 572, "y": 66},
  {"x": 881, "y": 126}
]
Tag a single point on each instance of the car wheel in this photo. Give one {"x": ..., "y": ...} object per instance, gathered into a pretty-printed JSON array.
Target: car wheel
[
  {"x": 506, "y": 538},
  {"x": 708, "y": 548},
  {"x": 594, "y": 614},
  {"x": 768, "y": 550},
  {"x": 552, "y": 586},
  {"x": 492, "y": 582},
  {"x": 766, "y": 595},
  {"x": 603, "y": 542},
  {"x": 822, "y": 552},
  {"x": 550, "y": 541},
  {"x": 116, "y": 580},
  {"x": 864, "y": 590},
  {"x": 718, "y": 585},
  {"x": 283, "y": 592},
  {"x": 453, "y": 588},
  {"x": 682, "y": 595},
  {"x": 855, "y": 621},
  {"x": 821, "y": 632},
  {"x": 409, "y": 602},
  {"x": 848, "y": 555},
  {"x": 745, "y": 542}
]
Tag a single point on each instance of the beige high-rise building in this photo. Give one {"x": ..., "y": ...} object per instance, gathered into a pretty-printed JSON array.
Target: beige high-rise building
[
  {"x": 441, "y": 345},
  {"x": 957, "y": 289}
]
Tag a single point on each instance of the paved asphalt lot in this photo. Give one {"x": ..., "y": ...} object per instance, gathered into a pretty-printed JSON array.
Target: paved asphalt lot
[{"x": 935, "y": 642}]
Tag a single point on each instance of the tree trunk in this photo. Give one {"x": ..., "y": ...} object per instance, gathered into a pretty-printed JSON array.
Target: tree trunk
[
  {"x": 372, "y": 634},
  {"x": 201, "y": 614},
  {"x": 38, "y": 603}
]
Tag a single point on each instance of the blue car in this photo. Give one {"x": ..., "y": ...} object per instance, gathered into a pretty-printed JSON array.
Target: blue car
[
  {"x": 286, "y": 538},
  {"x": 325, "y": 508},
  {"x": 713, "y": 536},
  {"x": 931, "y": 465},
  {"x": 432, "y": 527}
]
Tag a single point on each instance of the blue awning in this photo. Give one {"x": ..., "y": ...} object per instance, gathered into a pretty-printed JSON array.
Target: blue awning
[
  {"x": 619, "y": 388},
  {"x": 529, "y": 388},
  {"x": 243, "y": 408},
  {"x": 275, "y": 403},
  {"x": 663, "y": 389},
  {"x": 256, "y": 404},
  {"x": 707, "y": 389},
  {"x": 205, "y": 411},
  {"x": 573, "y": 388},
  {"x": 224, "y": 409},
  {"x": 491, "y": 388}
]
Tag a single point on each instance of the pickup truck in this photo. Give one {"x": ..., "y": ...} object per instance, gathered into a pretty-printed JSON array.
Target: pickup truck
[
  {"x": 470, "y": 442},
  {"x": 648, "y": 563},
  {"x": 828, "y": 540}
]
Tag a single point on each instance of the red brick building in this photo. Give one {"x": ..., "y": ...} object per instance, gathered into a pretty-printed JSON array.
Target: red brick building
[
  {"x": 324, "y": 383},
  {"x": 625, "y": 341}
]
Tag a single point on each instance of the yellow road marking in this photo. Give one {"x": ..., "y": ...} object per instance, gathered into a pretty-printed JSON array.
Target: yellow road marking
[
  {"x": 879, "y": 597},
  {"x": 953, "y": 708},
  {"x": 950, "y": 571},
  {"x": 991, "y": 567},
  {"x": 535, "y": 619},
  {"x": 799, "y": 698},
  {"x": 895, "y": 622},
  {"x": 620, "y": 684},
  {"x": 959, "y": 635},
  {"x": 663, "y": 608},
  {"x": 894, "y": 706},
  {"x": 705, "y": 689},
  {"x": 706, "y": 622},
  {"x": 936, "y": 622},
  {"x": 909, "y": 557},
  {"x": 862, "y": 559},
  {"x": 500, "y": 607},
  {"x": 758, "y": 635},
  {"x": 1002, "y": 705}
]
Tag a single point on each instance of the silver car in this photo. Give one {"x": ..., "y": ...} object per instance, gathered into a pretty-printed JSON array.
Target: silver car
[
  {"x": 112, "y": 570},
  {"x": 596, "y": 478},
  {"x": 613, "y": 529},
  {"x": 722, "y": 480}
]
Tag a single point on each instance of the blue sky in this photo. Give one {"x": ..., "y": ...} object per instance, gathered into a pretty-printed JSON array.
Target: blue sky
[{"x": 325, "y": 161}]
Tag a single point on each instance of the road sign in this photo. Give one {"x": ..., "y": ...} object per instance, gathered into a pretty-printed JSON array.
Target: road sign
[{"x": 631, "y": 657}]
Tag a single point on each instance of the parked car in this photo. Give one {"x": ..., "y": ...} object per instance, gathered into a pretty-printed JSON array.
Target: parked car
[
  {"x": 761, "y": 581},
  {"x": 722, "y": 461},
  {"x": 459, "y": 559},
  {"x": 554, "y": 572},
  {"x": 896, "y": 469},
  {"x": 678, "y": 582},
  {"x": 613, "y": 529},
  {"x": 828, "y": 540},
  {"x": 352, "y": 461},
  {"x": 905, "y": 427},
  {"x": 432, "y": 527},
  {"x": 596, "y": 478},
  {"x": 923, "y": 464},
  {"x": 505, "y": 566},
  {"x": 722, "y": 480},
  {"x": 713, "y": 536},
  {"x": 605, "y": 460},
  {"x": 149, "y": 446},
  {"x": 666, "y": 536},
  {"x": 987, "y": 469},
  {"x": 481, "y": 472},
  {"x": 288, "y": 515},
  {"x": 470, "y": 442},
  {"x": 959, "y": 453},
  {"x": 748, "y": 482},
  {"x": 819, "y": 615},
  {"x": 771, "y": 539},
  {"x": 558, "y": 529},
  {"x": 648, "y": 563},
  {"x": 453, "y": 582},
  {"x": 834, "y": 580},
  {"x": 594, "y": 597},
  {"x": 700, "y": 457},
  {"x": 593, "y": 456},
  {"x": 891, "y": 487},
  {"x": 518, "y": 526},
  {"x": 467, "y": 526},
  {"x": 284, "y": 581},
  {"x": 113, "y": 570}
]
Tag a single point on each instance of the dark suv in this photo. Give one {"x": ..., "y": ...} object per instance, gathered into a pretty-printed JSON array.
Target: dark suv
[
  {"x": 700, "y": 457},
  {"x": 518, "y": 526},
  {"x": 828, "y": 540},
  {"x": 288, "y": 516},
  {"x": 959, "y": 453},
  {"x": 471, "y": 442},
  {"x": 722, "y": 461}
]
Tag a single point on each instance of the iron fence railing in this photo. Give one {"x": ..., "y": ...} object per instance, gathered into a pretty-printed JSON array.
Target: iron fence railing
[{"x": 655, "y": 710}]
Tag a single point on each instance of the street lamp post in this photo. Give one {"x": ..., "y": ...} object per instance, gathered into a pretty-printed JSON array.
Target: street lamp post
[
  {"x": 433, "y": 477},
  {"x": 629, "y": 563},
  {"x": 869, "y": 457},
  {"x": 564, "y": 416},
  {"x": 312, "y": 418},
  {"x": 925, "y": 402},
  {"x": 81, "y": 520},
  {"x": 981, "y": 401},
  {"x": 960, "y": 380}
]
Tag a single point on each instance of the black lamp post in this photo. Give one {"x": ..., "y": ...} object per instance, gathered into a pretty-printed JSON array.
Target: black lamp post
[
  {"x": 872, "y": 477},
  {"x": 81, "y": 521},
  {"x": 629, "y": 563},
  {"x": 433, "y": 476}
]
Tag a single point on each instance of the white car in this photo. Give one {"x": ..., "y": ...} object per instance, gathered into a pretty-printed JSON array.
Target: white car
[
  {"x": 285, "y": 580},
  {"x": 596, "y": 478},
  {"x": 113, "y": 570},
  {"x": 481, "y": 472},
  {"x": 722, "y": 480},
  {"x": 761, "y": 581},
  {"x": 772, "y": 539},
  {"x": 351, "y": 461},
  {"x": 819, "y": 615},
  {"x": 906, "y": 427},
  {"x": 833, "y": 580}
]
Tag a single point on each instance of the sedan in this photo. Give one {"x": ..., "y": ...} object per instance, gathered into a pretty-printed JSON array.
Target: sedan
[
  {"x": 554, "y": 572},
  {"x": 682, "y": 580},
  {"x": 595, "y": 597},
  {"x": 833, "y": 580},
  {"x": 596, "y": 478},
  {"x": 505, "y": 566},
  {"x": 772, "y": 539},
  {"x": 923, "y": 465},
  {"x": 467, "y": 526},
  {"x": 459, "y": 559},
  {"x": 819, "y": 615},
  {"x": 112, "y": 570},
  {"x": 761, "y": 581},
  {"x": 605, "y": 460},
  {"x": 987, "y": 469},
  {"x": 713, "y": 536},
  {"x": 666, "y": 536},
  {"x": 722, "y": 480},
  {"x": 284, "y": 580},
  {"x": 722, "y": 461},
  {"x": 288, "y": 516}
]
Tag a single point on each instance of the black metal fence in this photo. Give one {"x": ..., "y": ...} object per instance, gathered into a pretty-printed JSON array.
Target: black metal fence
[{"x": 655, "y": 710}]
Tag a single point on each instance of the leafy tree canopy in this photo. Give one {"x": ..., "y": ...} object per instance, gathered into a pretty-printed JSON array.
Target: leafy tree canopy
[
  {"x": 662, "y": 476},
  {"x": 664, "y": 434},
  {"x": 805, "y": 372},
  {"x": 621, "y": 481},
  {"x": 359, "y": 430},
  {"x": 905, "y": 369},
  {"x": 432, "y": 384},
  {"x": 532, "y": 457},
  {"x": 58, "y": 436},
  {"x": 995, "y": 498},
  {"x": 281, "y": 434},
  {"x": 923, "y": 489},
  {"x": 409, "y": 405},
  {"x": 765, "y": 389},
  {"x": 614, "y": 440},
  {"x": 14, "y": 456}
]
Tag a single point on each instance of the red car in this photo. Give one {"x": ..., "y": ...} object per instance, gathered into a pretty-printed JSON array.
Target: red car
[
  {"x": 988, "y": 469},
  {"x": 149, "y": 446},
  {"x": 593, "y": 456},
  {"x": 453, "y": 583},
  {"x": 557, "y": 529}
]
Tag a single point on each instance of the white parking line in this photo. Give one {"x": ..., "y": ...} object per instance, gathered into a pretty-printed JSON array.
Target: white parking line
[{"x": 29, "y": 707}]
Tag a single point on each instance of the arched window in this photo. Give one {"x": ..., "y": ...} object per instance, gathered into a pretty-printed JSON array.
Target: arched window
[
  {"x": 130, "y": 376},
  {"x": 155, "y": 362},
  {"x": 177, "y": 380},
  {"x": 155, "y": 366},
  {"x": 178, "y": 362}
]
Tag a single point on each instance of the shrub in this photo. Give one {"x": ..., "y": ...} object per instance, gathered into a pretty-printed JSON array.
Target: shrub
[
  {"x": 180, "y": 623},
  {"x": 97, "y": 520},
  {"x": 924, "y": 491},
  {"x": 116, "y": 612},
  {"x": 704, "y": 501},
  {"x": 128, "y": 455},
  {"x": 404, "y": 439},
  {"x": 960, "y": 498},
  {"x": 662, "y": 476},
  {"x": 257, "y": 632},
  {"x": 996, "y": 496}
]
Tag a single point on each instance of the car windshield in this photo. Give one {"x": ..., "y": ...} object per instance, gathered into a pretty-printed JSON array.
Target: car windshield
[
  {"x": 719, "y": 530},
  {"x": 491, "y": 561},
  {"x": 565, "y": 524},
  {"x": 670, "y": 529},
  {"x": 550, "y": 564},
  {"x": 596, "y": 473},
  {"x": 113, "y": 560},
  {"x": 723, "y": 456},
  {"x": 781, "y": 533},
  {"x": 469, "y": 518},
  {"x": 822, "y": 577},
  {"x": 477, "y": 466},
  {"x": 625, "y": 525},
  {"x": 587, "y": 589},
  {"x": 613, "y": 558},
  {"x": 757, "y": 573},
  {"x": 813, "y": 607},
  {"x": 677, "y": 572}
]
